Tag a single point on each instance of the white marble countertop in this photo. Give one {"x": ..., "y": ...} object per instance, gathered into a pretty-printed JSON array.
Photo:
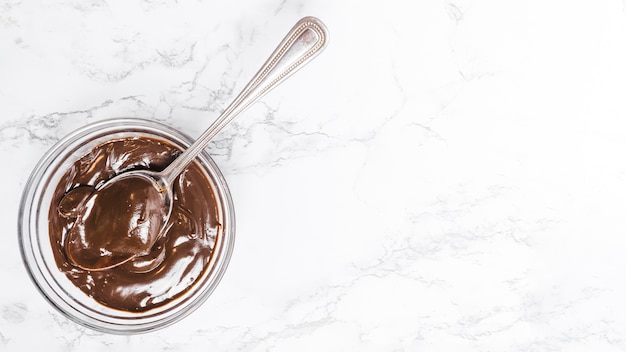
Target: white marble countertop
[{"x": 448, "y": 175}]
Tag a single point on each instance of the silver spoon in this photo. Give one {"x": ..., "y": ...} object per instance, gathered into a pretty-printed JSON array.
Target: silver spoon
[{"x": 126, "y": 215}]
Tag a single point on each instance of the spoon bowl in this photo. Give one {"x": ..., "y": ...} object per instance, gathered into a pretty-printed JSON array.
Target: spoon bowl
[{"x": 120, "y": 220}]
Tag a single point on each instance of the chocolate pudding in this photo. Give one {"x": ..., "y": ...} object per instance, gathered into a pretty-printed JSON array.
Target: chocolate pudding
[{"x": 159, "y": 273}]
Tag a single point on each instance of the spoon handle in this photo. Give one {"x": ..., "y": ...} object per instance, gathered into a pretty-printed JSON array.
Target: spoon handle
[{"x": 303, "y": 42}]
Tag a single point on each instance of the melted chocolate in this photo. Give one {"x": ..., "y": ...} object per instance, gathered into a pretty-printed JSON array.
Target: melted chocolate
[
  {"x": 115, "y": 223},
  {"x": 164, "y": 271}
]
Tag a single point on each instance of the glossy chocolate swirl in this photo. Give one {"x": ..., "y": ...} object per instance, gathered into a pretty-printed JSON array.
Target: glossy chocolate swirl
[{"x": 174, "y": 262}]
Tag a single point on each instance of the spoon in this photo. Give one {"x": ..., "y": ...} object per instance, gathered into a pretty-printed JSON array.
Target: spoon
[{"x": 123, "y": 217}]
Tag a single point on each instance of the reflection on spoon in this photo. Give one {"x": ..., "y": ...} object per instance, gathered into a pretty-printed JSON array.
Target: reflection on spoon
[{"x": 125, "y": 217}]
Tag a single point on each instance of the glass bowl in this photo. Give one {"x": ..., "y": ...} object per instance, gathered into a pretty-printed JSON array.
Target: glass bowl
[{"x": 37, "y": 251}]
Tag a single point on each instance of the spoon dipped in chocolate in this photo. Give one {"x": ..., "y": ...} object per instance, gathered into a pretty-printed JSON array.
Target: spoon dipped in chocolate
[{"x": 124, "y": 217}]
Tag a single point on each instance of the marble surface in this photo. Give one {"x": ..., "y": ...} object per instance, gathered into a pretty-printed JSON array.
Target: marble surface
[{"x": 447, "y": 176}]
